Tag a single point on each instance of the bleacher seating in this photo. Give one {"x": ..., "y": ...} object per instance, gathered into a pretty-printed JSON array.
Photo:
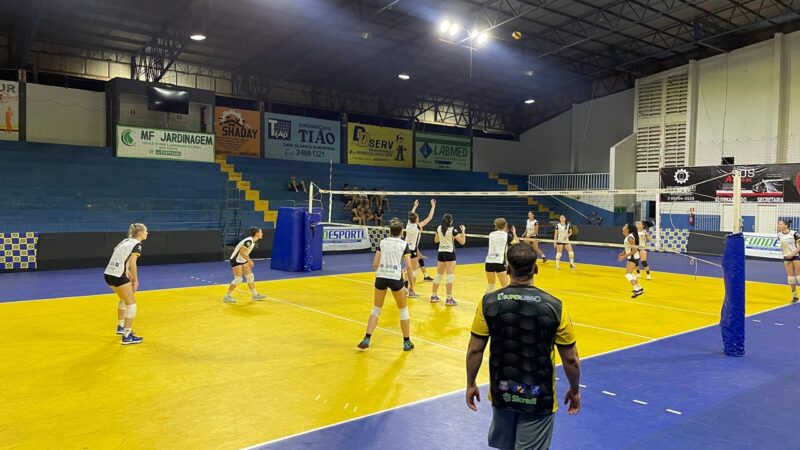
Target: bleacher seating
[{"x": 61, "y": 188}]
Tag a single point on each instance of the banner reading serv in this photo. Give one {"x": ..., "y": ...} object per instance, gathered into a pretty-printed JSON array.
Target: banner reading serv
[
  {"x": 442, "y": 151},
  {"x": 238, "y": 132},
  {"x": 302, "y": 138},
  {"x": 378, "y": 146},
  {"x": 153, "y": 143},
  {"x": 9, "y": 108}
]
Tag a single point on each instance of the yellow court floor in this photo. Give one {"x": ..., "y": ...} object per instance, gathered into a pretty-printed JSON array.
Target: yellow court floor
[{"x": 213, "y": 375}]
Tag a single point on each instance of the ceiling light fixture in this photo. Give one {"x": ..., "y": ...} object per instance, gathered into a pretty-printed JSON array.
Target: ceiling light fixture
[
  {"x": 198, "y": 37},
  {"x": 483, "y": 37},
  {"x": 454, "y": 29},
  {"x": 444, "y": 26},
  {"x": 529, "y": 101},
  {"x": 404, "y": 76}
]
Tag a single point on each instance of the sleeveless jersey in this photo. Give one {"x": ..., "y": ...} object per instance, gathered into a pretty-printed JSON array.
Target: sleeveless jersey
[
  {"x": 499, "y": 241},
  {"x": 392, "y": 251},
  {"x": 244, "y": 243},
  {"x": 412, "y": 235},
  {"x": 788, "y": 242},
  {"x": 446, "y": 239},
  {"x": 118, "y": 264}
]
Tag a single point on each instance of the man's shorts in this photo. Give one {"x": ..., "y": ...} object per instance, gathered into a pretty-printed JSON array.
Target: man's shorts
[{"x": 512, "y": 430}]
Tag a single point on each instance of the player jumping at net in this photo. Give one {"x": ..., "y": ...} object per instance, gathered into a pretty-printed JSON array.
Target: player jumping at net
[
  {"x": 532, "y": 232},
  {"x": 561, "y": 235},
  {"x": 495, "y": 263},
  {"x": 644, "y": 238},
  {"x": 446, "y": 236},
  {"x": 392, "y": 253},
  {"x": 413, "y": 235},
  {"x": 790, "y": 248},
  {"x": 122, "y": 276},
  {"x": 631, "y": 256},
  {"x": 241, "y": 264}
]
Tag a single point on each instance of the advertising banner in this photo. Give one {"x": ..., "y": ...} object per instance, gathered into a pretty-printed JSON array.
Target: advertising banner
[
  {"x": 378, "y": 146},
  {"x": 238, "y": 132},
  {"x": 9, "y": 108},
  {"x": 302, "y": 138},
  {"x": 153, "y": 143},
  {"x": 762, "y": 245},
  {"x": 344, "y": 238},
  {"x": 442, "y": 151},
  {"x": 773, "y": 183}
]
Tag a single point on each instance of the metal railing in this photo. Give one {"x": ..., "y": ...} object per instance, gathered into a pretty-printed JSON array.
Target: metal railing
[{"x": 568, "y": 181}]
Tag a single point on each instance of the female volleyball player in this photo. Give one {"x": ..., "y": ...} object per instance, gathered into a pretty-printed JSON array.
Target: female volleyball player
[
  {"x": 242, "y": 264},
  {"x": 446, "y": 258},
  {"x": 495, "y": 263},
  {"x": 631, "y": 254},
  {"x": 790, "y": 247},
  {"x": 388, "y": 265},
  {"x": 561, "y": 235},
  {"x": 532, "y": 232},
  {"x": 122, "y": 276},
  {"x": 644, "y": 238},
  {"x": 413, "y": 235}
]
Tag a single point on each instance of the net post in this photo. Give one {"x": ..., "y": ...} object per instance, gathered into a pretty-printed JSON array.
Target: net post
[
  {"x": 737, "y": 201},
  {"x": 311, "y": 198},
  {"x": 658, "y": 221}
]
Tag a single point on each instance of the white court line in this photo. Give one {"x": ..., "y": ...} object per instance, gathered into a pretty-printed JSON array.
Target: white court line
[
  {"x": 674, "y": 412},
  {"x": 424, "y": 400},
  {"x": 756, "y": 320},
  {"x": 778, "y": 324},
  {"x": 639, "y": 402},
  {"x": 610, "y": 393}
]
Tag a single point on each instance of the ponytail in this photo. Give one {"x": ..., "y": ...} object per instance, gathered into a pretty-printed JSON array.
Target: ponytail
[
  {"x": 447, "y": 221},
  {"x": 135, "y": 229}
]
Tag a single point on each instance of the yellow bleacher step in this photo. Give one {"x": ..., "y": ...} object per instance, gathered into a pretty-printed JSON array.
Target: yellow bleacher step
[
  {"x": 262, "y": 205},
  {"x": 270, "y": 216},
  {"x": 494, "y": 175},
  {"x": 252, "y": 195},
  {"x": 502, "y": 181},
  {"x": 243, "y": 185},
  {"x": 512, "y": 187}
]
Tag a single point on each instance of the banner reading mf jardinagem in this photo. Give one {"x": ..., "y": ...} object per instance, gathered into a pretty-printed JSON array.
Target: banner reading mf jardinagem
[
  {"x": 153, "y": 143},
  {"x": 378, "y": 146},
  {"x": 442, "y": 151}
]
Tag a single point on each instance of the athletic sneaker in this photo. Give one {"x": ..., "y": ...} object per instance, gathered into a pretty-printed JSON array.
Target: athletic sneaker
[
  {"x": 573, "y": 266},
  {"x": 794, "y": 300},
  {"x": 131, "y": 339},
  {"x": 637, "y": 275},
  {"x": 228, "y": 299},
  {"x": 427, "y": 278},
  {"x": 637, "y": 293},
  {"x": 408, "y": 346},
  {"x": 450, "y": 301},
  {"x": 120, "y": 330},
  {"x": 434, "y": 298},
  {"x": 544, "y": 259},
  {"x": 649, "y": 277},
  {"x": 364, "y": 344},
  {"x": 413, "y": 295},
  {"x": 259, "y": 297}
]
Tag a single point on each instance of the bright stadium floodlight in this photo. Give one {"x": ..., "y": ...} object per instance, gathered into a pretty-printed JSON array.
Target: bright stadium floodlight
[
  {"x": 198, "y": 37},
  {"x": 454, "y": 29},
  {"x": 404, "y": 76},
  {"x": 444, "y": 26},
  {"x": 483, "y": 37},
  {"x": 530, "y": 101}
]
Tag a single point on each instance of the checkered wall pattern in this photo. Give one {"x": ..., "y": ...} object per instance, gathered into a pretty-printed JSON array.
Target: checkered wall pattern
[
  {"x": 674, "y": 239},
  {"x": 18, "y": 251},
  {"x": 376, "y": 235}
]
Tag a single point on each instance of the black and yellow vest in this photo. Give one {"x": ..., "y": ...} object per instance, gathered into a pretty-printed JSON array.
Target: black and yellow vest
[{"x": 522, "y": 321}]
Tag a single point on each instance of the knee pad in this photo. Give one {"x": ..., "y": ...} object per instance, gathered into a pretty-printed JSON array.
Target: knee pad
[
  {"x": 236, "y": 281},
  {"x": 121, "y": 305},
  {"x": 437, "y": 279},
  {"x": 798, "y": 279},
  {"x": 130, "y": 311},
  {"x": 250, "y": 277},
  {"x": 450, "y": 278},
  {"x": 792, "y": 280},
  {"x": 404, "y": 313},
  {"x": 644, "y": 264},
  {"x": 376, "y": 311},
  {"x": 571, "y": 254},
  {"x": 558, "y": 255},
  {"x": 630, "y": 276}
]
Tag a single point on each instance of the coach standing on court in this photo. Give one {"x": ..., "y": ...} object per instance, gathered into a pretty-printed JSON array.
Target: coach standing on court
[{"x": 523, "y": 324}]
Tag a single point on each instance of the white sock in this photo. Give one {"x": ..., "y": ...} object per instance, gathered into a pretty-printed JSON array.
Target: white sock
[
  {"x": 127, "y": 332},
  {"x": 121, "y": 322},
  {"x": 254, "y": 292},
  {"x": 489, "y": 288},
  {"x": 572, "y": 258}
]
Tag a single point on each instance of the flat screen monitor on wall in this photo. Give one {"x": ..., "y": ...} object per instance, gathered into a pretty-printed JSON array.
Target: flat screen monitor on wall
[{"x": 168, "y": 100}]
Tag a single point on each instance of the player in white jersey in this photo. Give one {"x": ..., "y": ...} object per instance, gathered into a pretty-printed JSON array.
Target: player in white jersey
[
  {"x": 122, "y": 276},
  {"x": 413, "y": 235},
  {"x": 446, "y": 237},
  {"x": 241, "y": 264},
  {"x": 388, "y": 265},
  {"x": 495, "y": 263},
  {"x": 532, "y": 233},
  {"x": 631, "y": 256},
  {"x": 561, "y": 235},
  {"x": 790, "y": 248},
  {"x": 644, "y": 239}
]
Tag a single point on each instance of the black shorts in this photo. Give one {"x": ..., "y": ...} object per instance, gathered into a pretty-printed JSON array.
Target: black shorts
[
  {"x": 793, "y": 258},
  {"x": 234, "y": 263},
  {"x": 495, "y": 267},
  {"x": 413, "y": 254},
  {"x": 382, "y": 284},
  {"x": 111, "y": 280},
  {"x": 633, "y": 260},
  {"x": 446, "y": 256}
]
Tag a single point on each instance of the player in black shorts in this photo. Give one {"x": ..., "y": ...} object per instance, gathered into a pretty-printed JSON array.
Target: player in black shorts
[
  {"x": 631, "y": 254},
  {"x": 122, "y": 276},
  {"x": 241, "y": 264},
  {"x": 446, "y": 236},
  {"x": 388, "y": 265},
  {"x": 499, "y": 241}
]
